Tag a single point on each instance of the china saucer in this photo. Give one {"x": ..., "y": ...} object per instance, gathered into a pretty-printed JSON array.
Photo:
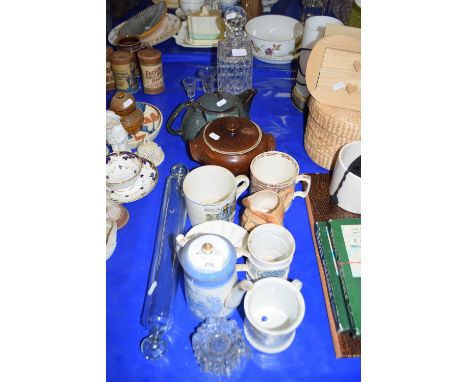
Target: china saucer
[
  {"x": 276, "y": 60},
  {"x": 152, "y": 123},
  {"x": 145, "y": 183}
]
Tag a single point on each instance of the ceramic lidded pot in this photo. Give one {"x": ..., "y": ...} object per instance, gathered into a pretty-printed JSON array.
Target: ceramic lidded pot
[
  {"x": 124, "y": 105},
  {"x": 231, "y": 142}
]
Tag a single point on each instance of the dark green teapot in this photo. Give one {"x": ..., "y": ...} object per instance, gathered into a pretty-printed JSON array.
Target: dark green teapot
[{"x": 207, "y": 108}]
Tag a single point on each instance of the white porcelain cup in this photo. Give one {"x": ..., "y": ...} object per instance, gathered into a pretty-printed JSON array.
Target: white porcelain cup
[
  {"x": 279, "y": 172},
  {"x": 314, "y": 29},
  {"x": 191, "y": 6},
  {"x": 211, "y": 192},
  {"x": 270, "y": 252},
  {"x": 349, "y": 194},
  {"x": 274, "y": 308}
]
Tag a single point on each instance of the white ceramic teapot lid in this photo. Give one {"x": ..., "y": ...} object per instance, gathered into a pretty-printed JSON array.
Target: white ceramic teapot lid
[{"x": 209, "y": 257}]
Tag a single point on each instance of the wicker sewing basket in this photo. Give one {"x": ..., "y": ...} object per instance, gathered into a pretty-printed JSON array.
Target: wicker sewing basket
[{"x": 328, "y": 129}]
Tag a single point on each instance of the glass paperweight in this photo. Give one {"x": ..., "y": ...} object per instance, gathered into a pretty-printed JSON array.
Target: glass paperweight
[
  {"x": 219, "y": 347},
  {"x": 156, "y": 316},
  {"x": 235, "y": 54}
]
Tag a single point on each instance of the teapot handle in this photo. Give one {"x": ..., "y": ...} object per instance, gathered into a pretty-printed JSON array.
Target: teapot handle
[{"x": 174, "y": 115}]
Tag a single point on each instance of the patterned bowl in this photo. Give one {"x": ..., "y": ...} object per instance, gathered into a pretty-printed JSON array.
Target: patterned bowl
[
  {"x": 122, "y": 170},
  {"x": 274, "y": 35}
]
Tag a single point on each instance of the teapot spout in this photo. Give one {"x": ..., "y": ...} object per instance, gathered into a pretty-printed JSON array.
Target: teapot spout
[
  {"x": 246, "y": 99},
  {"x": 233, "y": 299}
]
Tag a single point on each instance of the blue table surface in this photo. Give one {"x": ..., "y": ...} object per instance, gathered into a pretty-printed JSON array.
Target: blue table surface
[{"x": 311, "y": 356}]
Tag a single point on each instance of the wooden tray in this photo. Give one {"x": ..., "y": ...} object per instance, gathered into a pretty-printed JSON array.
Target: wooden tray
[{"x": 321, "y": 209}]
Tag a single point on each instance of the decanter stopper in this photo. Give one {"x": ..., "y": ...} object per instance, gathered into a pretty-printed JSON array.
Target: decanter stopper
[{"x": 235, "y": 18}]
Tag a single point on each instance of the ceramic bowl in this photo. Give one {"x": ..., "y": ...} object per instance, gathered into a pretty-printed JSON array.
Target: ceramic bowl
[
  {"x": 274, "y": 35},
  {"x": 122, "y": 170},
  {"x": 235, "y": 234}
]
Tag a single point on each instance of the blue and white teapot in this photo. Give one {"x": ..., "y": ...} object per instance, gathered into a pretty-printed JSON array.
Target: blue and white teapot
[{"x": 210, "y": 274}]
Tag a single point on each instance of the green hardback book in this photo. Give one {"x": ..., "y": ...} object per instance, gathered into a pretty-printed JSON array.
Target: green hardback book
[
  {"x": 346, "y": 239},
  {"x": 335, "y": 290}
]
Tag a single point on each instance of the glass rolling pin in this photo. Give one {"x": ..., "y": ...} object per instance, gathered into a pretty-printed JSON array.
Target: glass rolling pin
[{"x": 156, "y": 316}]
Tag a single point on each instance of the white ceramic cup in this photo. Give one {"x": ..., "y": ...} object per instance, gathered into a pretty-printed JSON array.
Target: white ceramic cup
[
  {"x": 270, "y": 252},
  {"x": 279, "y": 172},
  {"x": 274, "y": 308},
  {"x": 191, "y": 6},
  {"x": 211, "y": 193},
  {"x": 314, "y": 29},
  {"x": 349, "y": 195}
]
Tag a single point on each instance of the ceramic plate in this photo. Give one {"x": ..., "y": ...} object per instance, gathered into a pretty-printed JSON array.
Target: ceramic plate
[
  {"x": 169, "y": 26},
  {"x": 143, "y": 186},
  {"x": 152, "y": 123},
  {"x": 275, "y": 60},
  {"x": 181, "y": 39}
]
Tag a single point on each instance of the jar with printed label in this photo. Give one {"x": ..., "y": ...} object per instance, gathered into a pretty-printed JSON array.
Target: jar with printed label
[
  {"x": 124, "y": 73},
  {"x": 151, "y": 70}
]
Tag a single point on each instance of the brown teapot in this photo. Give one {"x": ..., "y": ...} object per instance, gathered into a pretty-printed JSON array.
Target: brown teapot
[{"x": 231, "y": 142}]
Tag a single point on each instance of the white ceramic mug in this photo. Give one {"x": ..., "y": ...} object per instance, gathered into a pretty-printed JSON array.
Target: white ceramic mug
[
  {"x": 349, "y": 193},
  {"x": 191, "y": 6},
  {"x": 279, "y": 172},
  {"x": 274, "y": 308},
  {"x": 211, "y": 193},
  {"x": 270, "y": 252},
  {"x": 314, "y": 28}
]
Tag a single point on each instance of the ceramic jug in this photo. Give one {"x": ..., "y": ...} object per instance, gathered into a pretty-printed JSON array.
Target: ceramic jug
[
  {"x": 207, "y": 108},
  {"x": 210, "y": 275}
]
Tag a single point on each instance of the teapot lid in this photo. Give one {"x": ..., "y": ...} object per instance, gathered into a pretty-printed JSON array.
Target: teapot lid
[
  {"x": 218, "y": 102},
  {"x": 232, "y": 135},
  {"x": 209, "y": 258}
]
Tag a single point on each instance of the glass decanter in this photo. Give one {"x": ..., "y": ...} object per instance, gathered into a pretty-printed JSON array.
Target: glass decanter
[{"x": 235, "y": 54}]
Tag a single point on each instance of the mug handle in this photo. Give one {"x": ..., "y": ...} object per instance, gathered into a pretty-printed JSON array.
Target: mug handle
[
  {"x": 297, "y": 284},
  {"x": 302, "y": 178},
  {"x": 241, "y": 187}
]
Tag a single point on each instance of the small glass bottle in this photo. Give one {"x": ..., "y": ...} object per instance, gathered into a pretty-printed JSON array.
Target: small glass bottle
[
  {"x": 235, "y": 54},
  {"x": 124, "y": 74},
  {"x": 151, "y": 70}
]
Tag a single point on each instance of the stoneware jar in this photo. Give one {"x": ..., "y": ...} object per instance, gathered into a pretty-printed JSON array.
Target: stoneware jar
[
  {"x": 210, "y": 276},
  {"x": 231, "y": 142},
  {"x": 110, "y": 84},
  {"x": 124, "y": 105},
  {"x": 131, "y": 44},
  {"x": 124, "y": 73},
  {"x": 151, "y": 70}
]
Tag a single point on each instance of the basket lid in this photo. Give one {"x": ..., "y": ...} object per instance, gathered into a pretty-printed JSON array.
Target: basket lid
[
  {"x": 333, "y": 73},
  {"x": 232, "y": 135}
]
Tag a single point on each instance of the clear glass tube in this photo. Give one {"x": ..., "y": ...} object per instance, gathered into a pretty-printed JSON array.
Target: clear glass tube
[{"x": 162, "y": 281}]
